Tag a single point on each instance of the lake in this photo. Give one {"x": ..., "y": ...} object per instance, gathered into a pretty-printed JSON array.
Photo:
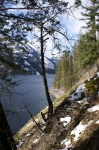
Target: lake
[{"x": 30, "y": 91}]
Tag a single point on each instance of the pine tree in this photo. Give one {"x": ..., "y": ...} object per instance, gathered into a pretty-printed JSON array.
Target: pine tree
[
  {"x": 66, "y": 70},
  {"x": 92, "y": 21},
  {"x": 6, "y": 58},
  {"x": 57, "y": 78},
  {"x": 43, "y": 15},
  {"x": 84, "y": 54},
  {"x": 64, "y": 77},
  {"x": 71, "y": 76},
  {"x": 85, "y": 51},
  {"x": 48, "y": 23}
]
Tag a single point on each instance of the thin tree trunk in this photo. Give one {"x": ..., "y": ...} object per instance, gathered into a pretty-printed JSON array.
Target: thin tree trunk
[
  {"x": 50, "y": 109},
  {"x": 6, "y": 137},
  {"x": 32, "y": 116}
]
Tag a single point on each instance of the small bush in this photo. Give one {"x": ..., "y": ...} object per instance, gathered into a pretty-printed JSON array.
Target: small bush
[{"x": 92, "y": 87}]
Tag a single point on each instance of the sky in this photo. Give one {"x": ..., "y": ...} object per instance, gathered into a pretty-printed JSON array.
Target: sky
[
  {"x": 74, "y": 23},
  {"x": 73, "y": 26}
]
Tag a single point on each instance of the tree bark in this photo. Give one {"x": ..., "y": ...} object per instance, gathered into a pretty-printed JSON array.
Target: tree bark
[
  {"x": 50, "y": 104},
  {"x": 6, "y": 138}
]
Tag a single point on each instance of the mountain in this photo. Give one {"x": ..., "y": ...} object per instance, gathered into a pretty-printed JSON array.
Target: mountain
[{"x": 30, "y": 60}]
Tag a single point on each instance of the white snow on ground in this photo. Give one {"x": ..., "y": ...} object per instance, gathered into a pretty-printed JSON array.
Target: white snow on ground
[
  {"x": 76, "y": 133},
  {"x": 79, "y": 130},
  {"x": 64, "y": 149},
  {"x": 78, "y": 92},
  {"x": 36, "y": 140},
  {"x": 20, "y": 143},
  {"x": 80, "y": 102},
  {"x": 97, "y": 122},
  {"x": 66, "y": 120},
  {"x": 98, "y": 74},
  {"x": 28, "y": 134},
  {"x": 67, "y": 143},
  {"x": 94, "y": 108}
]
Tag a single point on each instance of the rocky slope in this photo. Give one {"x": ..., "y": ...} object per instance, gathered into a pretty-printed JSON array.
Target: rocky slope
[
  {"x": 30, "y": 60},
  {"x": 75, "y": 124}
]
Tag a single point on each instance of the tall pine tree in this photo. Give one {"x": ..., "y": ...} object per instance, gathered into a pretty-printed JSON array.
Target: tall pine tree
[{"x": 92, "y": 22}]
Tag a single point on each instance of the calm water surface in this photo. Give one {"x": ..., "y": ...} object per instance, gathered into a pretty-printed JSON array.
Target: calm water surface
[{"x": 33, "y": 95}]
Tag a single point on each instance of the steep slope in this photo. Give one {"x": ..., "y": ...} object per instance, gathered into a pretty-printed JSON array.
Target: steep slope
[
  {"x": 75, "y": 124},
  {"x": 30, "y": 60}
]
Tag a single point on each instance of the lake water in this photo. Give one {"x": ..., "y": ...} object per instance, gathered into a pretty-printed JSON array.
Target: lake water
[{"x": 33, "y": 95}]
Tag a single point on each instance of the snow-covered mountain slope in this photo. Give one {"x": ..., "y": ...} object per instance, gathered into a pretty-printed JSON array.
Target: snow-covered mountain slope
[{"x": 30, "y": 60}]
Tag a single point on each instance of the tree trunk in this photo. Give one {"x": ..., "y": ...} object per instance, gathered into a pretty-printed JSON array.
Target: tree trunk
[
  {"x": 50, "y": 104},
  {"x": 6, "y": 137}
]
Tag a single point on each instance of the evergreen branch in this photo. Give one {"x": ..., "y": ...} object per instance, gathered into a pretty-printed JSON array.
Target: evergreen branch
[{"x": 18, "y": 17}]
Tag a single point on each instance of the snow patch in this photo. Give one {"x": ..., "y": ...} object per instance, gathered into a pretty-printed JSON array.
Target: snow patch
[
  {"x": 20, "y": 143},
  {"x": 48, "y": 63},
  {"x": 78, "y": 92},
  {"x": 64, "y": 149},
  {"x": 79, "y": 130},
  {"x": 97, "y": 122},
  {"x": 67, "y": 143},
  {"x": 66, "y": 120},
  {"x": 26, "y": 63},
  {"x": 36, "y": 140},
  {"x": 80, "y": 102},
  {"x": 28, "y": 134},
  {"x": 98, "y": 74},
  {"x": 94, "y": 108}
]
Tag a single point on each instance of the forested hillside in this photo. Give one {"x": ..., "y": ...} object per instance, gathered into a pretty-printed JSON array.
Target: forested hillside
[
  {"x": 83, "y": 54},
  {"x": 45, "y": 24}
]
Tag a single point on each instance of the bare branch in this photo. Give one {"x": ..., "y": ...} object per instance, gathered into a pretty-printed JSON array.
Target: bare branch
[{"x": 27, "y": 109}]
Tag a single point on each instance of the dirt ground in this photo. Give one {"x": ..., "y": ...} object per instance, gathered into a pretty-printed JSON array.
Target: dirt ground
[{"x": 57, "y": 132}]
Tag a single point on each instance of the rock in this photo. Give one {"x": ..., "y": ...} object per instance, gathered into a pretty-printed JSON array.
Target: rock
[{"x": 91, "y": 98}]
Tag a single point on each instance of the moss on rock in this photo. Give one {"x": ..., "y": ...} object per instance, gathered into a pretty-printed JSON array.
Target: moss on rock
[{"x": 92, "y": 87}]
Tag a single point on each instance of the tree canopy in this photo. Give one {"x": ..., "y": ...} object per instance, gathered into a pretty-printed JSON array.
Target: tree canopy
[
  {"x": 85, "y": 51},
  {"x": 17, "y": 19}
]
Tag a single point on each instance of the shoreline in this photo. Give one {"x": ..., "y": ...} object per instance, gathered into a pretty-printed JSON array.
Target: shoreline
[
  {"x": 56, "y": 92},
  {"x": 30, "y": 124}
]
